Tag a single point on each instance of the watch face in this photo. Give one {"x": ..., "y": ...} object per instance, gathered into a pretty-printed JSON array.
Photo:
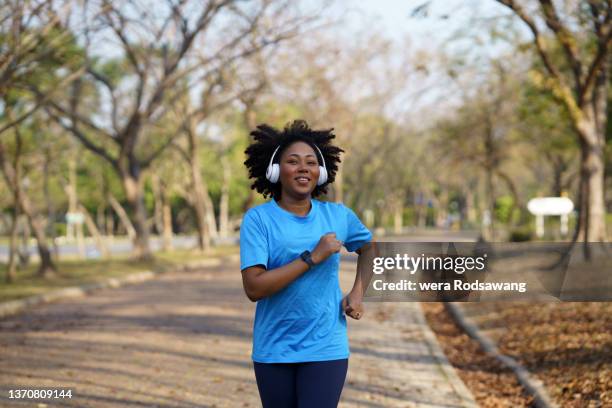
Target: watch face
[{"x": 306, "y": 258}]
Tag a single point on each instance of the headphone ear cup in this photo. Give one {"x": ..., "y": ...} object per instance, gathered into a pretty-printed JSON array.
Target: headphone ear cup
[
  {"x": 322, "y": 176},
  {"x": 273, "y": 172}
]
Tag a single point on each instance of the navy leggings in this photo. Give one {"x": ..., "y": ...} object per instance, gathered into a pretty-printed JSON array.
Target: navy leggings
[{"x": 316, "y": 384}]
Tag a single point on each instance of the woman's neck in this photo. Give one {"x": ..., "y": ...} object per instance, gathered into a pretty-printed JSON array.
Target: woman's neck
[{"x": 299, "y": 207}]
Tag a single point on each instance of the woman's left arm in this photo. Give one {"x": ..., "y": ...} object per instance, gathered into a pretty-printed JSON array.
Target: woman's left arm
[{"x": 352, "y": 303}]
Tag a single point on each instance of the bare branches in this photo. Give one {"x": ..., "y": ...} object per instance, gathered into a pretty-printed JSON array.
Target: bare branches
[
  {"x": 602, "y": 54},
  {"x": 565, "y": 38},
  {"x": 539, "y": 41},
  {"x": 584, "y": 72},
  {"x": 160, "y": 149},
  {"x": 43, "y": 98}
]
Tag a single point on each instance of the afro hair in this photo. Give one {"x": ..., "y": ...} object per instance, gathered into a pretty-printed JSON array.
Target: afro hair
[{"x": 266, "y": 139}]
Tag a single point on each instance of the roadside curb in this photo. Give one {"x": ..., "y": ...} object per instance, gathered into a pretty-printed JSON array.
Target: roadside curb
[
  {"x": 445, "y": 366},
  {"x": 17, "y": 306},
  {"x": 533, "y": 385}
]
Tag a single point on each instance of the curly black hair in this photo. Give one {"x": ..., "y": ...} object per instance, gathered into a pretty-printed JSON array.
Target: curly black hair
[{"x": 266, "y": 139}]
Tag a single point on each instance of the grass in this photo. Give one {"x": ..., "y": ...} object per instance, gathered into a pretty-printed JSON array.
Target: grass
[{"x": 78, "y": 272}]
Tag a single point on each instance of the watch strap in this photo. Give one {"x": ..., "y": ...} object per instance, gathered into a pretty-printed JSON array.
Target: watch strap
[{"x": 307, "y": 257}]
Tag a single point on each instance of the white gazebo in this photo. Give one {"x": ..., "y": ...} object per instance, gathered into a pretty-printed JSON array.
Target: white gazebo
[{"x": 540, "y": 207}]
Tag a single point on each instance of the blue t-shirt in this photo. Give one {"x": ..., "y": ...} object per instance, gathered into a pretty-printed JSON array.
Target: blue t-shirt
[{"x": 303, "y": 321}]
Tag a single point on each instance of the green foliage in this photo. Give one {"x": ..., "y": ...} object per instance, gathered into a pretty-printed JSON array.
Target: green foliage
[
  {"x": 409, "y": 216},
  {"x": 149, "y": 198},
  {"x": 503, "y": 208},
  {"x": 57, "y": 53},
  {"x": 521, "y": 234},
  {"x": 96, "y": 178},
  {"x": 60, "y": 228}
]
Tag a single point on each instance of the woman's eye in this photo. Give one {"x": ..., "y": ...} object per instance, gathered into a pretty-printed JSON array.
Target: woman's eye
[{"x": 311, "y": 163}]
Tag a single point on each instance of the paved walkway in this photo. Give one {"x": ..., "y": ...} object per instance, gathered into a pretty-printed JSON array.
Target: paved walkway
[{"x": 184, "y": 340}]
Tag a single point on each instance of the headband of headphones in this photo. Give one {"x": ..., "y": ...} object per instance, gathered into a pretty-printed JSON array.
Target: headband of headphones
[
  {"x": 273, "y": 170},
  {"x": 316, "y": 147}
]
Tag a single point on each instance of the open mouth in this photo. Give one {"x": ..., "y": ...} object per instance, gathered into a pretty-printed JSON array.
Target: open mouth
[{"x": 302, "y": 179}]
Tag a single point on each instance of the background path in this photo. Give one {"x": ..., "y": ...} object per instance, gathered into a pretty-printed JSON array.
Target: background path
[{"x": 184, "y": 340}]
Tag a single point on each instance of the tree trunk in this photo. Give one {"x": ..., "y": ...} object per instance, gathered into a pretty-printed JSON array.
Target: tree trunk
[
  {"x": 12, "y": 175},
  {"x": 12, "y": 261},
  {"x": 224, "y": 202},
  {"x": 442, "y": 209},
  {"x": 250, "y": 120},
  {"x": 123, "y": 217},
  {"x": 205, "y": 217},
  {"x": 338, "y": 184},
  {"x": 398, "y": 218},
  {"x": 135, "y": 198},
  {"x": 47, "y": 268},
  {"x": 470, "y": 207},
  {"x": 158, "y": 210},
  {"x": 592, "y": 223},
  {"x": 204, "y": 238},
  {"x": 109, "y": 226},
  {"x": 93, "y": 230},
  {"x": 167, "y": 218},
  {"x": 100, "y": 216},
  {"x": 489, "y": 216},
  {"x": 420, "y": 209},
  {"x": 71, "y": 192},
  {"x": 24, "y": 251},
  {"x": 50, "y": 207}
]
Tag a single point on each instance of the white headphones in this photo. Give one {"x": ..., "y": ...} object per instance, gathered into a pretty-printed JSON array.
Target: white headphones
[{"x": 273, "y": 171}]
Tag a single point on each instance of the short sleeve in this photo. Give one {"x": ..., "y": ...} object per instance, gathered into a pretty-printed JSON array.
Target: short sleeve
[
  {"x": 357, "y": 233},
  {"x": 253, "y": 241}
]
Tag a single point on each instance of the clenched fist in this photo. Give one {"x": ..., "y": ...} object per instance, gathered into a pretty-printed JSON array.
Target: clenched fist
[{"x": 328, "y": 245}]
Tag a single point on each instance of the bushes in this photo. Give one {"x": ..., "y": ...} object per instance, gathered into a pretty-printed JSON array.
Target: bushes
[{"x": 521, "y": 234}]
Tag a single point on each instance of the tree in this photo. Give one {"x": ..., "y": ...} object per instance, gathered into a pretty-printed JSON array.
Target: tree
[
  {"x": 33, "y": 46},
  {"x": 12, "y": 172},
  {"x": 35, "y": 51},
  {"x": 583, "y": 90},
  {"x": 157, "y": 54},
  {"x": 539, "y": 114}
]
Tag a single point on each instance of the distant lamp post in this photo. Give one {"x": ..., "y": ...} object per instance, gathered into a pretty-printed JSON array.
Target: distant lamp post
[{"x": 559, "y": 206}]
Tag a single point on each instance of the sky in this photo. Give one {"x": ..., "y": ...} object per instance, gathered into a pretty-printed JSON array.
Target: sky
[
  {"x": 439, "y": 29},
  {"x": 447, "y": 25},
  {"x": 394, "y": 16}
]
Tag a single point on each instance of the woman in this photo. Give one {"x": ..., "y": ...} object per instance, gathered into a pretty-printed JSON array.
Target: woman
[{"x": 289, "y": 255}]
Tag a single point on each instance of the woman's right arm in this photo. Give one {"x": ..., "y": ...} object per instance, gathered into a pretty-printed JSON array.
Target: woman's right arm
[{"x": 260, "y": 283}]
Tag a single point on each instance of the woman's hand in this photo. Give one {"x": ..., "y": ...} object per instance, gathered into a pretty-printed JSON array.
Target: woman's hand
[
  {"x": 328, "y": 245},
  {"x": 352, "y": 306}
]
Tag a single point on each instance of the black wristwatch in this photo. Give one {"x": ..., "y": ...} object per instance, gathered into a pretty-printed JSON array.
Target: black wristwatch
[{"x": 306, "y": 257}]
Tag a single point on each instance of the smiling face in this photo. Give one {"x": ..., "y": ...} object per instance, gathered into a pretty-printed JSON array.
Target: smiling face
[{"x": 299, "y": 170}]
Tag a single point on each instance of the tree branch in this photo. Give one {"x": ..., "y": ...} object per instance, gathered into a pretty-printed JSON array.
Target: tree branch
[
  {"x": 111, "y": 90},
  {"x": 84, "y": 139},
  {"x": 599, "y": 60},
  {"x": 167, "y": 81},
  {"x": 75, "y": 117},
  {"x": 147, "y": 162},
  {"x": 42, "y": 98},
  {"x": 520, "y": 12},
  {"x": 565, "y": 38}
]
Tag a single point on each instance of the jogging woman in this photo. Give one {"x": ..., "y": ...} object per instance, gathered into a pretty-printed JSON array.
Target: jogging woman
[{"x": 289, "y": 255}]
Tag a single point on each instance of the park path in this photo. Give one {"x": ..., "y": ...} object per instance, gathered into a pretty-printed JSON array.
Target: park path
[{"x": 184, "y": 339}]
